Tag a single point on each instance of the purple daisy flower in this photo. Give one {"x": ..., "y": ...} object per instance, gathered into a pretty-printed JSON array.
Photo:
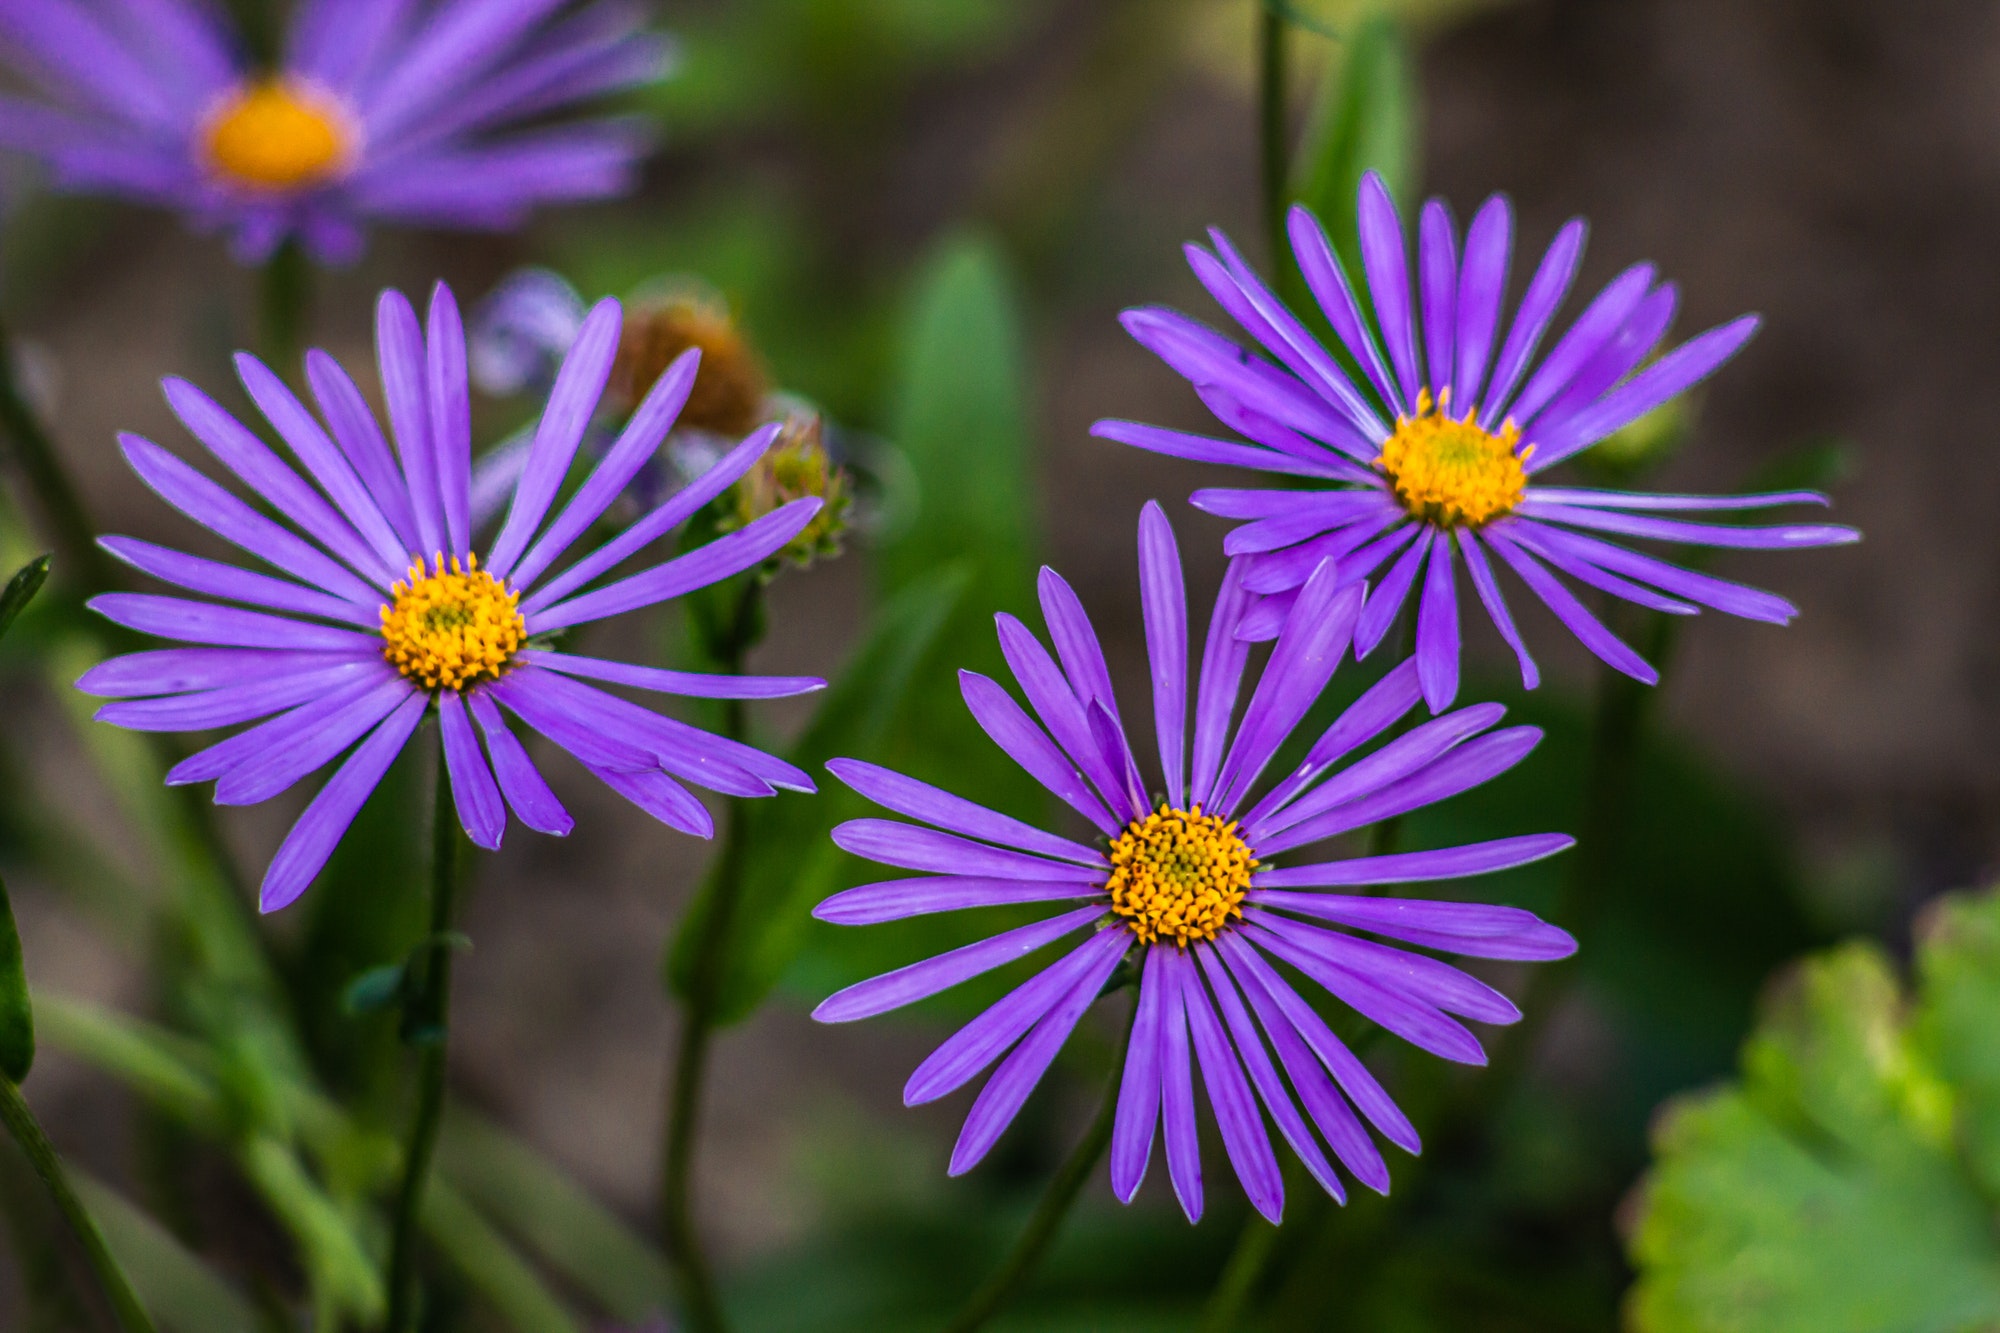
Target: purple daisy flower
[
  {"x": 405, "y": 110},
  {"x": 363, "y": 634},
  {"x": 1184, "y": 887},
  {"x": 1435, "y": 457}
]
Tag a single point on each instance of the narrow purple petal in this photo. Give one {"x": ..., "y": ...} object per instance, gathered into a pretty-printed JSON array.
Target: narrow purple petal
[
  {"x": 1382, "y": 706},
  {"x": 1244, "y": 412},
  {"x": 517, "y": 693},
  {"x": 527, "y": 792},
  {"x": 1330, "y": 508},
  {"x": 1386, "y": 599},
  {"x": 1597, "y": 325},
  {"x": 1139, "y": 1086},
  {"x": 355, "y": 430},
  {"x": 1202, "y": 449},
  {"x": 579, "y": 384},
  {"x": 1705, "y": 589},
  {"x": 403, "y": 364},
  {"x": 216, "y": 579},
  {"x": 227, "y": 626},
  {"x": 1327, "y": 279},
  {"x": 1482, "y": 285},
  {"x": 1789, "y": 536},
  {"x": 1177, "y": 1085},
  {"x": 1266, "y": 616},
  {"x": 1111, "y": 745},
  {"x": 1537, "y": 537},
  {"x": 1673, "y": 374},
  {"x": 1538, "y": 306},
  {"x": 1423, "y": 1025},
  {"x": 688, "y": 684},
  {"x": 1010, "y": 727},
  {"x": 1363, "y": 561},
  {"x": 918, "y": 981},
  {"x": 345, "y": 718},
  {"x": 1437, "y": 278},
  {"x": 1243, "y": 1136},
  {"x": 1437, "y": 630},
  {"x": 980, "y": 1042},
  {"x": 227, "y": 705},
  {"x": 1314, "y": 639},
  {"x": 473, "y": 790},
  {"x": 183, "y": 670},
  {"x": 1222, "y": 660},
  {"x": 1476, "y": 858},
  {"x": 1620, "y": 356},
  {"x": 933, "y": 805},
  {"x": 914, "y": 848},
  {"x": 1386, "y": 261},
  {"x": 661, "y": 797},
  {"x": 898, "y": 899},
  {"x": 1496, "y": 606},
  {"x": 282, "y": 733},
  {"x": 1477, "y": 930},
  {"x": 1420, "y": 979},
  {"x": 1596, "y": 499},
  {"x": 1076, "y": 642},
  {"x": 1587, "y": 627},
  {"x": 450, "y": 397},
  {"x": 1002, "y": 1097},
  {"x": 312, "y": 839},
  {"x": 1050, "y": 696},
  {"x": 1163, "y": 604}
]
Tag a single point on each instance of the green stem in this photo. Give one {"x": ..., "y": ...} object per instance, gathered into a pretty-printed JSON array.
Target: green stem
[
  {"x": 1247, "y": 1262},
  {"x": 62, "y": 507},
  {"x": 1271, "y": 35},
  {"x": 285, "y": 302},
  {"x": 425, "y": 1021},
  {"x": 1062, "y": 1192},
  {"x": 41, "y": 1154},
  {"x": 700, "y": 1299}
]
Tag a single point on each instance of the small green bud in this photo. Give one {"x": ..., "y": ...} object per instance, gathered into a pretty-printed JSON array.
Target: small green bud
[{"x": 795, "y": 466}]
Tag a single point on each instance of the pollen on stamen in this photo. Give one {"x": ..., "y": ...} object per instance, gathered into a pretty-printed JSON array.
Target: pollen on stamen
[
  {"x": 1451, "y": 470},
  {"x": 278, "y": 135},
  {"x": 451, "y": 627},
  {"x": 1179, "y": 875}
]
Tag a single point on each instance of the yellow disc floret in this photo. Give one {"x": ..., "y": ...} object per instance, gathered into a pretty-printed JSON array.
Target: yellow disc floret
[
  {"x": 277, "y": 136},
  {"x": 452, "y": 628},
  {"x": 1451, "y": 470},
  {"x": 1179, "y": 875}
]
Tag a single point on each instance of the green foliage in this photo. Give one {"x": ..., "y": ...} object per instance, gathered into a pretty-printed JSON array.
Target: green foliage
[
  {"x": 1844, "y": 1184},
  {"x": 17, "y": 1015},
  {"x": 184, "y": 1294}
]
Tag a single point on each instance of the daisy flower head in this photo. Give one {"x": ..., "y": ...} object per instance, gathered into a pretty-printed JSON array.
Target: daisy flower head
[
  {"x": 380, "y": 607},
  {"x": 1183, "y": 884},
  {"x": 428, "y": 112},
  {"x": 1431, "y": 456}
]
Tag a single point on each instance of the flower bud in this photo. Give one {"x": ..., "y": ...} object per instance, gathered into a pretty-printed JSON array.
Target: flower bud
[
  {"x": 795, "y": 466},
  {"x": 729, "y": 388}
]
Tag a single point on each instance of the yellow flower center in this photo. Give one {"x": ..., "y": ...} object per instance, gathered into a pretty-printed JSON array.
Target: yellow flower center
[
  {"x": 277, "y": 136},
  {"x": 1180, "y": 875},
  {"x": 1450, "y": 470},
  {"x": 449, "y": 630}
]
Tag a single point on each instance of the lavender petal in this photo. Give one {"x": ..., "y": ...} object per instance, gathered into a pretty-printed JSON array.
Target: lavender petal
[
  {"x": 1010, "y": 727},
  {"x": 1496, "y": 606},
  {"x": 933, "y": 805},
  {"x": 1482, "y": 285},
  {"x": 312, "y": 839},
  {"x": 527, "y": 792},
  {"x": 1139, "y": 1086},
  {"x": 899, "y": 899},
  {"x": 1163, "y": 605},
  {"x": 473, "y": 790},
  {"x": 1437, "y": 630},
  {"x": 1236, "y": 1115}
]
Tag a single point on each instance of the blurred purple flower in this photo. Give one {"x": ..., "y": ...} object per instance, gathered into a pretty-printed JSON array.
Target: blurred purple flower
[
  {"x": 370, "y": 635},
  {"x": 378, "y": 109},
  {"x": 1435, "y": 456},
  {"x": 1187, "y": 890}
]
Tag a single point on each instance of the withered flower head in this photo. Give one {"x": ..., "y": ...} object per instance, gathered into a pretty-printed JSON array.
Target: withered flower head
[{"x": 729, "y": 390}]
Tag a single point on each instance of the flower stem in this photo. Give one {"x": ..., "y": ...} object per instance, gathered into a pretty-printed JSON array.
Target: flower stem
[
  {"x": 1062, "y": 1192},
  {"x": 1271, "y": 35},
  {"x": 425, "y": 1020},
  {"x": 284, "y": 304},
  {"x": 41, "y": 1154},
  {"x": 701, "y": 1301},
  {"x": 1247, "y": 1262},
  {"x": 62, "y": 508}
]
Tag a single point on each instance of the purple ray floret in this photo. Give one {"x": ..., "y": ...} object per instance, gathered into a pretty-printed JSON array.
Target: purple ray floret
[
  {"x": 379, "y": 606},
  {"x": 1184, "y": 892},
  {"x": 1431, "y": 456},
  {"x": 434, "y": 112}
]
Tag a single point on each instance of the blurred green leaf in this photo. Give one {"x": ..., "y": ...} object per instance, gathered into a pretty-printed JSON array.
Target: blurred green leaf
[
  {"x": 1825, "y": 1190},
  {"x": 484, "y": 1258},
  {"x": 376, "y": 989},
  {"x": 1364, "y": 119},
  {"x": 789, "y": 861},
  {"x": 21, "y": 589},
  {"x": 184, "y": 1294},
  {"x": 569, "y": 1230},
  {"x": 17, "y": 1014}
]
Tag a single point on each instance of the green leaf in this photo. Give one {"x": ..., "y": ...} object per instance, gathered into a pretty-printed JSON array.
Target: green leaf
[
  {"x": 490, "y": 1265},
  {"x": 534, "y": 1201},
  {"x": 21, "y": 589},
  {"x": 1823, "y": 1192},
  {"x": 1365, "y": 119},
  {"x": 1959, "y": 972},
  {"x": 789, "y": 860},
  {"x": 17, "y": 1013},
  {"x": 376, "y": 989},
  {"x": 184, "y": 1294}
]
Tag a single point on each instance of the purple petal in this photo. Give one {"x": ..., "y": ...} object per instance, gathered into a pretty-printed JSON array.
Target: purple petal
[
  {"x": 1139, "y": 1086},
  {"x": 1266, "y": 616},
  {"x": 403, "y": 364},
  {"x": 518, "y": 693},
  {"x": 1422, "y": 1025},
  {"x": 1437, "y": 630},
  {"x": 1477, "y": 858},
  {"x": 450, "y": 398},
  {"x": 360, "y": 439},
  {"x": 689, "y": 684},
  {"x": 1001, "y": 1099},
  {"x": 1245, "y": 415},
  {"x": 527, "y": 792},
  {"x": 1706, "y": 589},
  {"x": 1027, "y": 745},
  {"x": 679, "y": 507},
  {"x": 1118, "y": 755},
  {"x": 1236, "y": 1115},
  {"x": 918, "y": 981},
  {"x": 1177, "y": 1084},
  {"x": 1382, "y": 706},
  {"x": 1355, "y": 1081},
  {"x": 1571, "y": 612},
  {"x": 897, "y": 899},
  {"x": 1596, "y": 326},
  {"x": 1386, "y": 599},
  {"x": 1778, "y": 537},
  {"x": 933, "y": 805},
  {"x": 473, "y": 790},
  {"x": 579, "y": 385},
  {"x": 1475, "y": 929},
  {"x": 1050, "y": 696},
  {"x": 215, "y": 579},
  {"x": 1437, "y": 275},
  {"x": 1076, "y": 642},
  {"x": 227, "y": 705},
  {"x": 661, "y": 797},
  {"x": 1535, "y": 537},
  {"x": 636, "y": 444},
  {"x": 1222, "y": 660},
  {"x": 1327, "y": 279},
  {"x": 727, "y": 555},
  {"x": 1538, "y": 306},
  {"x": 1673, "y": 374},
  {"x": 1314, "y": 639},
  {"x": 345, "y": 718},
  {"x": 1330, "y": 508},
  {"x": 203, "y": 622},
  {"x": 1385, "y": 260},
  {"x": 913, "y": 848},
  {"x": 1264, "y": 1075},
  {"x": 1482, "y": 285},
  {"x": 1202, "y": 449},
  {"x": 64, "y": 48},
  {"x": 456, "y": 44},
  {"x": 1468, "y": 766},
  {"x": 1619, "y": 357},
  {"x": 183, "y": 670},
  {"x": 1163, "y": 604},
  {"x": 1420, "y": 979},
  {"x": 312, "y": 839},
  {"x": 980, "y": 1042},
  {"x": 1348, "y": 546},
  {"x": 1595, "y": 499},
  {"x": 1496, "y": 606},
  {"x": 1362, "y": 562}
]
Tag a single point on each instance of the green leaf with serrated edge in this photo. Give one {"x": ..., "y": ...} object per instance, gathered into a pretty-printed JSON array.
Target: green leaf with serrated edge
[
  {"x": 184, "y": 1294},
  {"x": 1822, "y": 1192},
  {"x": 552, "y": 1217},
  {"x": 789, "y": 858},
  {"x": 1364, "y": 119}
]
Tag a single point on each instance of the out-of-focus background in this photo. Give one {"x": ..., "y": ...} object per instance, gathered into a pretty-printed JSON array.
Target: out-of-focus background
[{"x": 829, "y": 167}]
